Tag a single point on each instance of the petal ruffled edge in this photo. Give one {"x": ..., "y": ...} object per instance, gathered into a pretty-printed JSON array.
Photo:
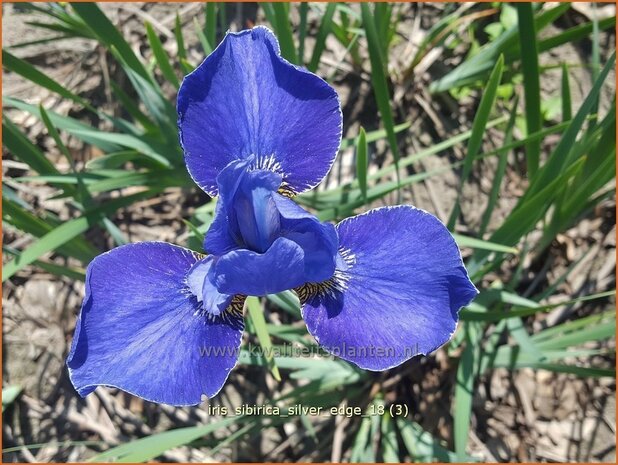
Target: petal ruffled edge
[
  {"x": 293, "y": 182},
  {"x": 324, "y": 302},
  {"x": 190, "y": 301}
]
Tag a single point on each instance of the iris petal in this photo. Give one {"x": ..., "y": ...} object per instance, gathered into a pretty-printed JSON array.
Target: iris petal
[
  {"x": 318, "y": 240},
  {"x": 140, "y": 329},
  {"x": 250, "y": 216},
  {"x": 400, "y": 295},
  {"x": 254, "y": 206},
  {"x": 280, "y": 268},
  {"x": 245, "y": 100},
  {"x": 200, "y": 279},
  {"x": 246, "y": 215}
]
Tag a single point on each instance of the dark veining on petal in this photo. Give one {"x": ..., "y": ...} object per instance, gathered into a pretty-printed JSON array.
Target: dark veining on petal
[{"x": 337, "y": 284}]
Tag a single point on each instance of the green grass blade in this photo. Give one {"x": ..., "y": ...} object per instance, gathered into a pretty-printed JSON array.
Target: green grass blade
[
  {"x": 127, "y": 141},
  {"x": 479, "y": 66},
  {"x": 284, "y": 31},
  {"x": 132, "y": 107},
  {"x": 421, "y": 445},
  {"x": 26, "y": 70},
  {"x": 62, "y": 234},
  {"x": 9, "y": 394},
  {"x": 361, "y": 162},
  {"x": 150, "y": 447},
  {"x": 109, "y": 35},
  {"x": 473, "y": 243},
  {"x": 210, "y": 27},
  {"x": 526, "y": 214},
  {"x": 390, "y": 448},
  {"x": 500, "y": 171},
  {"x": 51, "y": 241},
  {"x": 558, "y": 157},
  {"x": 161, "y": 56},
  {"x": 180, "y": 46},
  {"x": 259, "y": 323},
  {"x": 516, "y": 327},
  {"x": 302, "y": 31},
  {"x": 467, "y": 314},
  {"x": 464, "y": 389},
  {"x": 157, "y": 105},
  {"x": 565, "y": 91},
  {"x": 479, "y": 126},
  {"x": 575, "y": 33},
  {"x": 61, "y": 122},
  {"x": 361, "y": 450},
  {"x": 180, "y": 41},
  {"x": 532, "y": 86},
  {"x": 23, "y": 219},
  {"x": 320, "y": 40},
  {"x": 24, "y": 150},
  {"x": 206, "y": 46},
  {"x": 584, "y": 372},
  {"x": 77, "y": 274},
  {"x": 380, "y": 83}
]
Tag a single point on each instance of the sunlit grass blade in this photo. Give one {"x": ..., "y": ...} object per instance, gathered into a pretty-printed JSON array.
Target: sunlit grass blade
[
  {"x": 287, "y": 301},
  {"x": 525, "y": 216},
  {"x": 302, "y": 31},
  {"x": 127, "y": 141},
  {"x": 361, "y": 450},
  {"x": 132, "y": 108},
  {"x": 206, "y": 46},
  {"x": 565, "y": 92},
  {"x": 150, "y": 447},
  {"x": 256, "y": 313},
  {"x": 67, "y": 231},
  {"x": 478, "y": 132},
  {"x": 593, "y": 332},
  {"x": 180, "y": 46},
  {"x": 81, "y": 193},
  {"x": 9, "y": 394},
  {"x": 26, "y": 70},
  {"x": 468, "y": 314},
  {"x": 575, "y": 33},
  {"x": 62, "y": 122},
  {"x": 390, "y": 447},
  {"x": 558, "y": 157},
  {"x": 210, "y": 26},
  {"x": 473, "y": 243},
  {"x": 380, "y": 83},
  {"x": 500, "y": 171},
  {"x": 517, "y": 329},
  {"x": 78, "y": 274},
  {"x": 361, "y": 162},
  {"x": 25, "y": 220},
  {"x": 320, "y": 40},
  {"x": 374, "y": 136},
  {"x": 108, "y": 34},
  {"x": 574, "y": 326},
  {"x": 24, "y": 150},
  {"x": 478, "y": 67},
  {"x": 159, "y": 107},
  {"x": 421, "y": 445},
  {"x": 283, "y": 28},
  {"x": 532, "y": 86},
  {"x": 462, "y": 407},
  {"x": 161, "y": 56}
]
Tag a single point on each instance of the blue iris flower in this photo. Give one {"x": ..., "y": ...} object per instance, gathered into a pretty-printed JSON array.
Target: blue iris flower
[{"x": 376, "y": 289}]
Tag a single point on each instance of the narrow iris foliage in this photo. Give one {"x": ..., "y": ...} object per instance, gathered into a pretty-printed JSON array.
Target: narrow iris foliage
[{"x": 376, "y": 289}]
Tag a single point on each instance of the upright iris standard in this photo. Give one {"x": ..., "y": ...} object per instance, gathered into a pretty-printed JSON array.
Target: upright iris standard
[{"x": 376, "y": 289}]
